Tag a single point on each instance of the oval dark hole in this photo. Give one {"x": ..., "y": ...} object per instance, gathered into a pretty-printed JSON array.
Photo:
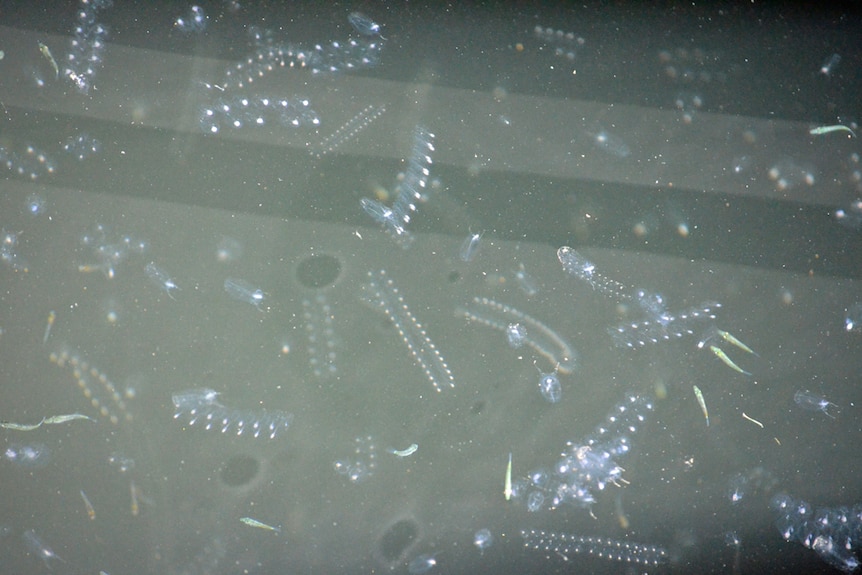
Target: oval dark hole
[
  {"x": 318, "y": 271},
  {"x": 397, "y": 539},
  {"x": 239, "y": 470}
]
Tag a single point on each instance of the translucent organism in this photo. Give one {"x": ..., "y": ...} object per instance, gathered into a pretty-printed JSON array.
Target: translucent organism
[
  {"x": 228, "y": 250},
  {"x": 34, "y": 204},
  {"x": 829, "y": 64},
  {"x": 525, "y": 281},
  {"x": 611, "y": 144},
  {"x": 257, "y": 111},
  {"x": 39, "y": 549},
  {"x": 422, "y": 564},
  {"x": 737, "y": 488},
  {"x": 813, "y": 402},
  {"x": 381, "y": 293},
  {"x": 550, "y": 388},
  {"x": 161, "y": 278},
  {"x": 361, "y": 464},
  {"x": 541, "y": 338},
  {"x": 515, "y": 335},
  {"x": 567, "y": 544},
  {"x": 195, "y": 21},
  {"x": 30, "y": 455},
  {"x": 110, "y": 250},
  {"x": 470, "y": 247},
  {"x": 853, "y": 318},
  {"x": 82, "y": 146},
  {"x": 787, "y": 174},
  {"x": 9, "y": 254},
  {"x": 483, "y": 539},
  {"x": 851, "y": 218},
  {"x": 201, "y": 408},
  {"x": 363, "y": 24},
  {"x": 320, "y": 332},
  {"x": 535, "y": 501},
  {"x": 242, "y": 290}
]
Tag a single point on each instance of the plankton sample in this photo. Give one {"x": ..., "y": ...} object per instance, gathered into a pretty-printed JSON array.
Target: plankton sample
[
  {"x": 161, "y": 278},
  {"x": 470, "y": 247},
  {"x": 242, "y": 290},
  {"x": 37, "y": 548},
  {"x": 422, "y": 564},
  {"x": 550, "y": 388},
  {"x": 482, "y": 539},
  {"x": 812, "y": 402}
]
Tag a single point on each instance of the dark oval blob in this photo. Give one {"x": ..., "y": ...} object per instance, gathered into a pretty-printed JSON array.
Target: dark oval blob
[
  {"x": 318, "y": 271},
  {"x": 396, "y": 540},
  {"x": 239, "y": 470}
]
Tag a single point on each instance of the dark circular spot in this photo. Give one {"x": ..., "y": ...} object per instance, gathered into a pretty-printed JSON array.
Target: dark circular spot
[
  {"x": 478, "y": 407},
  {"x": 397, "y": 539},
  {"x": 318, "y": 271},
  {"x": 454, "y": 276},
  {"x": 239, "y": 470}
]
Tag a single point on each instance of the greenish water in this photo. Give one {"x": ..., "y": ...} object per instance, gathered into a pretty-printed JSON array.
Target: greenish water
[{"x": 671, "y": 151}]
